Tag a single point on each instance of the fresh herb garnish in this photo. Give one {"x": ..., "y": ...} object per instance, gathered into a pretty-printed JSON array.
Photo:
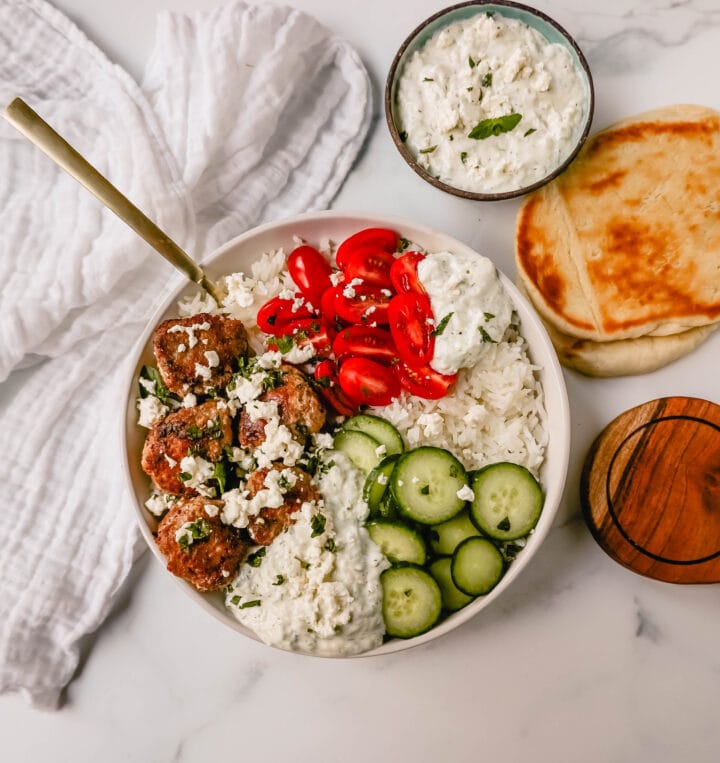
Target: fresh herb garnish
[
  {"x": 194, "y": 531},
  {"x": 427, "y": 150},
  {"x": 486, "y": 337},
  {"x": 160, "y": 390},
  {"x": 489, "y": 14},
  {"x": 255, "y": 560},
  {"x": 504, "y": 525},
  {"x": 463, "y": 156},
  {"x": 220, "y": 476},
  {"x": 235, "y": 600},
  {"x": 403, "y": 136},
  {"x": 194, "y": 432},
  {"x": 428, "y": 79},
  {"x": 248, "y": 604},
  {"x": 214, "y": 430},
  {"x": 283, "y": 343},
  {"x": 529, "y": 132},
  {"x": 488, "y": 316},
  {"x": 305, "y": 565},
  {"x": 440, "y": 328},
  {"x": 185, "y": 476},
  {"x": 279, "y": 579},
  {"x": 489, "y": 127},
  {"x": 318, "y": 525},
  {"x": 404, "y": 244},
  {"x": 472, "y": 62},
  {"x": 330, "y": 545},
  {"x": 487, "y": 80}
]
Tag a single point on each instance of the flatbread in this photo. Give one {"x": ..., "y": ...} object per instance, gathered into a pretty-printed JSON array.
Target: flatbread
[{"x": 626, "y": 242}]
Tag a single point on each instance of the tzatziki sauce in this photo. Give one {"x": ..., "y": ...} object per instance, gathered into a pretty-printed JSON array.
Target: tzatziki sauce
[
  {"x": 470, "y": 306},
  {"x": 490, "y": 68}
]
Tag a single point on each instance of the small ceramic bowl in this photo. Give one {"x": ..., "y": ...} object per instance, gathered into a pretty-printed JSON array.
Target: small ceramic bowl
[{"x": 536, "y": 20}]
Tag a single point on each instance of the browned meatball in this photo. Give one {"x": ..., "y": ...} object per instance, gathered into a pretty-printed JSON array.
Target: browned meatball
[
  {"x": 299, "y": 408},
  {"x": 180, "y": 345},
  {"x": 208, "y": 553},
  {"x": 269, "y": 523},
  {"x": 203, "y": 430}
]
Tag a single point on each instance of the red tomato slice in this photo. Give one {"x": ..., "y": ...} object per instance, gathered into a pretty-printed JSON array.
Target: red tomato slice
[
  {"x": 309, "y": 330},
  {"x": 311, "y": 273},
  {"x": 368, "y": 304},
  {"x": 371, "y": 264},
  {"x": 326, "y": 377},
  {"x": 383, "y": 238},
  {"x": 403, "y": 273},
  {"x": 278, "y": 312},
  {"x": 365, "y": 342},
  {"x": 366, "y": 382},
  {"x": 424, "y": 381},
  {"x": 411, "y": 325}
]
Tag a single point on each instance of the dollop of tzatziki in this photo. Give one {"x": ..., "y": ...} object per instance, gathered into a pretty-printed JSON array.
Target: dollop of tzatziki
[
  {"x": 490, "y": 105},
  {"x": 317, "y": 587},
  {"x": 470, "y": 306}
]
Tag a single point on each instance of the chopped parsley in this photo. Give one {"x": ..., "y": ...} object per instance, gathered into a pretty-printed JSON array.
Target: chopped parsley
[
  {"x": 486, "y": 337},
  {"x": 248, "y": 604},
  {"x": 440, "y": 328},
  {"x": 220, "y": 476},
  {"x": 487, "y": 80},
  {"x": 471, "y": 62},
  {"x": 194, "y": 531},
  {"x": 404, "y": 244},
  {"x": 279, "y": 580},
  {"x": 283, "y": 343},
  {"x": 463, "y": 156},
  {"x": 194, "y": 432},
  {"x": 305, "y": 565},
  {"x": 488, "y": 316},
  {"x": 318, "y": 525},
  {"x": 185, "y": 476},
  {"x": 428, "y": 79},
  {"x": 255, "y": 560},
  {"x": 235, "y": 600},
  {"x": 159, "y": 390},
  {"x": 489, "y": 127},
  {"x": 214, "y": 429},
  {"x": 330, "y": 545},
  {"x": 427, "y": 150},
  {"x": 529, "y": 132}
]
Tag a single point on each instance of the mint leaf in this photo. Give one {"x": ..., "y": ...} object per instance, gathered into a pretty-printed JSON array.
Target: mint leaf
[
  {"x": 489, "y": 127},
  {"x": 442, "y": 325}
]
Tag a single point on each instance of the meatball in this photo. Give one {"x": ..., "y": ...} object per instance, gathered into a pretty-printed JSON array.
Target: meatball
[
  {"x": 197, "y": 545},
  {"x": 299, "y": 408},
  {"x": 269, "y": 523},
  {"x": 203, "y": 430},
  {"x": 196, "y": 353}
]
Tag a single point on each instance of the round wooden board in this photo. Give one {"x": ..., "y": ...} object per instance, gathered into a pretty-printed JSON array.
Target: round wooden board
[{"x": 650, "y": 490}]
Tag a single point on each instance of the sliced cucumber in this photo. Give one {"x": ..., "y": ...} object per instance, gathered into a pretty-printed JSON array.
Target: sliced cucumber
[
  {"x": 412, "y": 601},
  {"x": 508, "y": 501},
  {"x": 359, "y": 448},
  {"x": 398, "y": 542},
  {"x": 379, "y": 429},
  {"x": 477, "y": 566},
  {"x": 452, "y": 597},
  {"x": 387, "y": 509},
  {"x": 377, "y": 482},
  {"x": 425, "y": 483},
  {"x": 445, "y": 537}
]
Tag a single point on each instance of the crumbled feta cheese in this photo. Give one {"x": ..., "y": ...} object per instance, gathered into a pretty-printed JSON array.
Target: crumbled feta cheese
[
  {"x": 386, "y": 292},
  {"x": 381, "y": 450},
  {"x": 189, "y": 401},
  {"x": 159, "y": 503},
  {"x": 190, "y": 331},
  {"x": 246, "y": 390},
  {"x": 150, "y": 409},
  {"x": 213, "y": 359},
  {"x": 203, "y": 372},
  {"x": 298, "y": 302},
  {"x": 287, "y": 294},
  {"x": 279, "y": 445},
  {"x": 349, "y": 290},
  {"x": 322, "y": 440},
  {"x": 337, "y": 277},
  {"x": 465, "y": 493},
  {"x": 200, "y": 472},
  {"x": 259, "y": 409},
  {"x": 270, "y": 359},
  {"x": 171, "y": 461},
  {"x": 211, "y": 509},
  {"x": 181, "y": 347},
  {"x": 382, "y": 479},
  {"x": 298, "y": 355}
]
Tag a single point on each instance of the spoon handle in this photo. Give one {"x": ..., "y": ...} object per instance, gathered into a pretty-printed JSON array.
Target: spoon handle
[{"x": 39, "y": 132}]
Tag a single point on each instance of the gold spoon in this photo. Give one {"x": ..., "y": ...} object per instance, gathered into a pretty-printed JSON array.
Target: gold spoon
[{"x": 39, "y": 132}]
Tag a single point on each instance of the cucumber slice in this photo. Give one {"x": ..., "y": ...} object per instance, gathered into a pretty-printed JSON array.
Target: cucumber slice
[
  {"x": 359, "y": 448},
  {"x": 412, "y": 601},
  {"x": 388, "y": 509},
  {"x": 476, "y": 566},
  {"x": 398, "y": 542},
  {"x": 452, "y": 597},
  {"x": 376, "y": 483},
  {"x": 508, "y": 501},
  {"x": 446, "y": 537},
  {"x": 425, "y": 483},
  {"x": 379, "y": 429}
]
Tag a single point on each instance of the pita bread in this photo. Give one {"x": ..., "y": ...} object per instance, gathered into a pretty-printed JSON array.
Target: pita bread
[{"x": 626, "y": 242}]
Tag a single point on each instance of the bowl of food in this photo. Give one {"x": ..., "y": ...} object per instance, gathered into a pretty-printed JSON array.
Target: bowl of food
[
  {"x": 489, "y": 101},
  {"x": 360, "y": 449}
]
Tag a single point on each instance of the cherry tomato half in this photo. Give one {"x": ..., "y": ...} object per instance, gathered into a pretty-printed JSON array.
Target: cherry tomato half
[
  {"x": 366, "y": 382},
  {"x": 411, "y": 326},
  {"x": 311, "y": 273},
  {"x": 367, "y": 305},
  {"x": 303, "y": 331},
  {"x": 403, "y": 273},
  {"x": 365, "y": 342},
  {"x": 371, "y": 264},
  {"x": 329, "y": 388},
  {"x": 278, "y": 312},
  {"x": 424, "y": 381},
  {"x": 383, "y": 238}
]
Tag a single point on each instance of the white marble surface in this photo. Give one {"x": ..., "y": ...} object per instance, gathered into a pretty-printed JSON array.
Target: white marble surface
[{"x": 581, "y": 660}]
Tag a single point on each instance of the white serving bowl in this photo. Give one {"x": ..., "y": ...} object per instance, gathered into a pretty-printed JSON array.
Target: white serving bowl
[{"x": 237, "y": 255}]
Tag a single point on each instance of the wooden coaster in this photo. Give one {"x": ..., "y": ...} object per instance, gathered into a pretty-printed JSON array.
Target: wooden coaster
[{"x": 650, "y": 490}]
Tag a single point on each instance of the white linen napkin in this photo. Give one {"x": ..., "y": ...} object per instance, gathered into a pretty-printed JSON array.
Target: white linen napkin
[{"x": 245, "y": 114}]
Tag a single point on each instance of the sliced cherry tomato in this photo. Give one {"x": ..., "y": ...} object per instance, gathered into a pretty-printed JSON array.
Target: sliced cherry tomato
[
  {"x": 278, "y": 312},
  {"x": 411, "y": 326},
  {"x": 368, "y": 304},
  {"x": 303, "y": 331},
  {"x": 403, "y": 273},
  {"x": 311, "y": 273},
  {"x": 366, "y": 382},
  {"x": 383, "y": 238},
  {"x": 329, "y": 388},
  {"x": 371, "y": 264},
  {"x": 423, "y": 381},
  {"x": 365, "y": 342}
]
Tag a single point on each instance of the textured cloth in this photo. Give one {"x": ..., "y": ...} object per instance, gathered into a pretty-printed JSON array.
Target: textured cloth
[{"x": 245, "y": 114}]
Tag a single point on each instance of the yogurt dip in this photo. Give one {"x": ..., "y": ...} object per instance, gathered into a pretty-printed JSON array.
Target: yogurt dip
[
  {"x": 519, "y": 96},
  {"x": 470, "y": 305}
]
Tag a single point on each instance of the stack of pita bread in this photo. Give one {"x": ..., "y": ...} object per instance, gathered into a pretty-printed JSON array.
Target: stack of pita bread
[{"x": 620, "y": 255}]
